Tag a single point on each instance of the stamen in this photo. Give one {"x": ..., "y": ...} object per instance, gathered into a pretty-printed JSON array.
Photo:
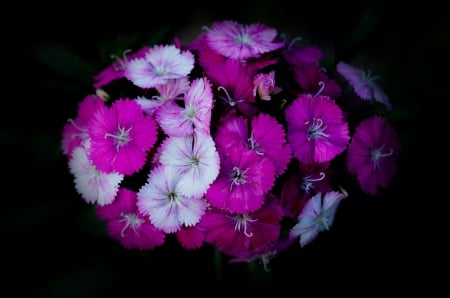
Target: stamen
[
  {"x": 293, "y": 41},
  {"x": 121, "y": 63},
  {"x": 122, "y": 137},
  {"x": 237, "y": 177},
  {"x": 228, "y": 98},
  {"x": 253, "y": 145},
  {"x": 241, "y": 220},
  {"x": 131, "y": 220},
  {"x": 316, "y": 129},
  {"x": 377, "y": 154},
  {"x": 307, "y": 182},
  {"x": 322, "y": 87}
]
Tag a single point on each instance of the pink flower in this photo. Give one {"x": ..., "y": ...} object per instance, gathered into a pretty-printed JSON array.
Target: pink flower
[
  {"x": 121, "y": 136},
  {"x": 316, "y": 129},
  {"x": 264, "y": 85},
  {"x": 237, "y": 234},
  {"x": 243, "y": 181},
  {"x": 95, "y": 187},
  {"x": 363, "y": 83},
  {"x": 237, "y": 41},
  {"x": 372, "y": 154},
  {"x": 161, "y": 199},
  {"x": 161, "y": 64},
  {"x": 127, "y": 225},
  {"x": 191, "y": 237},
  {"x": 317, "y": 216}
]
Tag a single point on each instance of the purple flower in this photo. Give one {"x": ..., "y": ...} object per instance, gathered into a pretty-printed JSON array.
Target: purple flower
[
  {"x": 316, "y": 129},
  {"x": 127, "y": 225},
  {"x": 121, "y": 136},
  {"x": 237, "y": 41},
  {"x": 363, "y": 83},
  {"x": 317, "y": 216},
  {"x": 372, "y": 154}
]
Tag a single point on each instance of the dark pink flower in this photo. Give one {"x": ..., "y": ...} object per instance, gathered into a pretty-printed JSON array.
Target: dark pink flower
[
  {"x": 121, "y": 136},
  {"x": 127, "y": 225},
  {"x": 372, "y": 154},
  {"x": 237, "y": 234},
  {"x": 316, "y": 129},
  {"x": 301, "y": 184}
]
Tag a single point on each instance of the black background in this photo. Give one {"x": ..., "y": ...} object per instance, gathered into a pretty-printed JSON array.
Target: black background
[{"x": 54, "y": 246}]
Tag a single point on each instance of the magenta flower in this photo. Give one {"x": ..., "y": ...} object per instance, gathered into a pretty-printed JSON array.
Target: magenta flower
[
  {"x": 160, "y": 64},
  {"x": 372, "y": 154},
  {"x": 263, "y": 134},
  {"x": 237, "y": 41},
  {"x": 121, "y": 136},
  {"x": 363, "y": 83},
  {"x": 127, "y": 225},
  {"x": 237, "y": 234},
  {"x": 316, "y": 129},
  {"x": 75, "y": 131},
  {"x": 243, "y": 181},
  {"x": 95, "y": 187},
  {"x": 317, "y": 215},
  {"x": 117, "y": 69},
  {"x": 191, "y": 237},
  {"x": 161, "y": 199}
]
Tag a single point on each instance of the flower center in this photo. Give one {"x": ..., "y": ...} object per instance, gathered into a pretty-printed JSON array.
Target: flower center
[
  {"x": 377, "y": 154},
  {"x": 242, "y": 38},
  {"x": 172, "y": 196},
  {"x": 316, "y": 129},
  {"x": 238, "y": 177},
  {"x": 121, "y": 137},
  {"x": 241, "y": 222},
  {"x": 189, "y": 113},
  {"x": 131, "y": 221}
]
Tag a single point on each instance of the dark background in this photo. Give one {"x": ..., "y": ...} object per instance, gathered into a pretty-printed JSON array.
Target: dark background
[{"x": 55, "y": 247}]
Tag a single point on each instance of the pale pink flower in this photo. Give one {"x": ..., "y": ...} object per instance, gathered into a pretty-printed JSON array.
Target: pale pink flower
[
  {"x": 94, "y": 186},
  {"x": 196, "y": 159},
  {"x": 160, "y": 64},
  {"x": 161, "y": 199}
]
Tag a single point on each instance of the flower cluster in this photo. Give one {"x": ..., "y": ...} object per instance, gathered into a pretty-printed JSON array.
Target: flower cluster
[{"x": 240, "y": 139}]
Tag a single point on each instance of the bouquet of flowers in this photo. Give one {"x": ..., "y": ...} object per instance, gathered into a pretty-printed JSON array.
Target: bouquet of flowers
[{"x": 240, "y": 139}]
